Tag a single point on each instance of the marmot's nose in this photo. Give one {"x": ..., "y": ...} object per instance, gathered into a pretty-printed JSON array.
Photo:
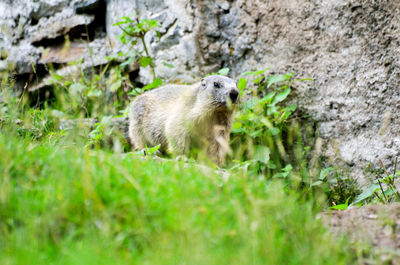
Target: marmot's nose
[{"x": 234, "y": 95}]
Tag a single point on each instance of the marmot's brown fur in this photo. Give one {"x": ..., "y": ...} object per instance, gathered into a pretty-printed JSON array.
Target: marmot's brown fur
[{"x": 181, "y": 117}]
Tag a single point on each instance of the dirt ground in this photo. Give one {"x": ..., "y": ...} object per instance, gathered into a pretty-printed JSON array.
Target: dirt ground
[{"x": 373, "y": 228}]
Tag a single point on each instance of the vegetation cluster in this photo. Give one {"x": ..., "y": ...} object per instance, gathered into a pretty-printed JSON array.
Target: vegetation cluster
[{"x": 77, "y": 195}]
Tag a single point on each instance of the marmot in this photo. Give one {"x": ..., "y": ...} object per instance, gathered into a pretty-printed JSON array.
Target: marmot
[{"x": 183, "y": 117}]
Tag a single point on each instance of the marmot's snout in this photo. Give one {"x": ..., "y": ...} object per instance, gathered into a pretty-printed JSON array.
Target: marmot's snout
[{"x": 234, "y": 95}]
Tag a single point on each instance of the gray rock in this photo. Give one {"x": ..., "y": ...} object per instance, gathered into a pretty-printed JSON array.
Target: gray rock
[
  {"x": 57, "y": 26},
  {"x": 92, "y": 54},
  {"x": 86, "y": 5},
  {"x": 115, "y": 10},
  {"x": 350, "y": 48}
]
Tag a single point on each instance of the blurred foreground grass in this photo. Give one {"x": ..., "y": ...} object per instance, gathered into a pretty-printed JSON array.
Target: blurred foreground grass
[{"x": 64, "y": 204}]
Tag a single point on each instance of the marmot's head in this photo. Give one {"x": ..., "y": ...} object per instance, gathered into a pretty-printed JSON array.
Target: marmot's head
[{"x": 222, "y": 90}]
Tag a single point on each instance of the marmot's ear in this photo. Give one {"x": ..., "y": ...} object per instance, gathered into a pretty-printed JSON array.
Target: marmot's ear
[{"x": 203, "y": 82}]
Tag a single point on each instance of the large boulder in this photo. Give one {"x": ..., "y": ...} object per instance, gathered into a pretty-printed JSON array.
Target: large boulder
[
  {"x": 350, "y": 49},
  {"x": 33, "y": 29}
]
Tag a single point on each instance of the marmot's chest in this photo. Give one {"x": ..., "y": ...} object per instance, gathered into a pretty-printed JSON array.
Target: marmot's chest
[{"x": 207, "y": 130}]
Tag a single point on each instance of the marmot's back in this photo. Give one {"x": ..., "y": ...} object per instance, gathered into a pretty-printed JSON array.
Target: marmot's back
[
  {"x": 168, "y": 93},
  {"x": 174, "y": 114}
]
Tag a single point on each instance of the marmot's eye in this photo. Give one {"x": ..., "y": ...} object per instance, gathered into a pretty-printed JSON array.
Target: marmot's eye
[{"x": 216, "y": 85}]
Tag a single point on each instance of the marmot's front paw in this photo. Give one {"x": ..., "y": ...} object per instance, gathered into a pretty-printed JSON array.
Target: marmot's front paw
[{"x": 182, "y": 158}]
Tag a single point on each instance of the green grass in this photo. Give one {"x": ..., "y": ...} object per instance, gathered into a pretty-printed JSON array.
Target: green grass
[{"x": 64, "y": 204}]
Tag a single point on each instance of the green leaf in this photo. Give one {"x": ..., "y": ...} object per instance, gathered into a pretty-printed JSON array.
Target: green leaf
[
  {"x": 119, "y": 23},
  {"x": 116, "y": 85},
  {"x": 153, "y": 23},
  {"x": 95, "y": 93},
  {"x": 288, "y": 76},
  {"x": 281, "y": 96},
  {"x": 267, "y": 99},
  {"x": 223, "y": 71},
  {"x": 130, "y": 30},
  {"x": 242, "y": 84},
  {"x": 324, "y": 172},
  {"x": 145, "y": 61},
  {"x": 250, "y": 104},
  {"x": 156, "y": 83},
  {"x": 236, "y": 125},
  {"x": 271, "y": 164},
  {"x": 133, "y": 42},
  {"x": 258, "y": 80},
  {"x": 304, "y": 79},
  {"x": 122, "y": 38},
  {"x": 261, "y": 153},
  {"x": 285, "y": 115},
  {"x": 272, "y": 109},
  {"x": 128, "y": 19},
  {"x": 33, "y": 67},
  {"x": 128, "y": 62},
  {"x": 76, "y": 88},
  {"x": 274, "y": 131},
  {"x": 285, "y": 172},
  {"x": 110, "y": 58},
  {"x": 317, "y": 183},
  {"x": 256, "y": 133},
  {"x": 273, "y": 79},
  {"x": 58, "y": 77},
  {"x": 292, "y": 107},
  {"x": 168, "y": 65},
  {"x": 287, "y": 168},
  {"x": 342, "y": 206},
  {"x": 152, "y": 150},
  {"x": 240, "y": 130},
  {"x": 366, "y": 193}
]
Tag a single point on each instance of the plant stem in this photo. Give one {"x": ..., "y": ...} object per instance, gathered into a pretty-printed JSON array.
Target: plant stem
[
  {"x": 376, "y": 194},
  {"x": 396, "y": 191},
  {"x": 383, "y": 192},
  {"x": 141, "y": 36},
  {"x": 148, "y": 55},
  {"x": 384, "y": 168}
]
